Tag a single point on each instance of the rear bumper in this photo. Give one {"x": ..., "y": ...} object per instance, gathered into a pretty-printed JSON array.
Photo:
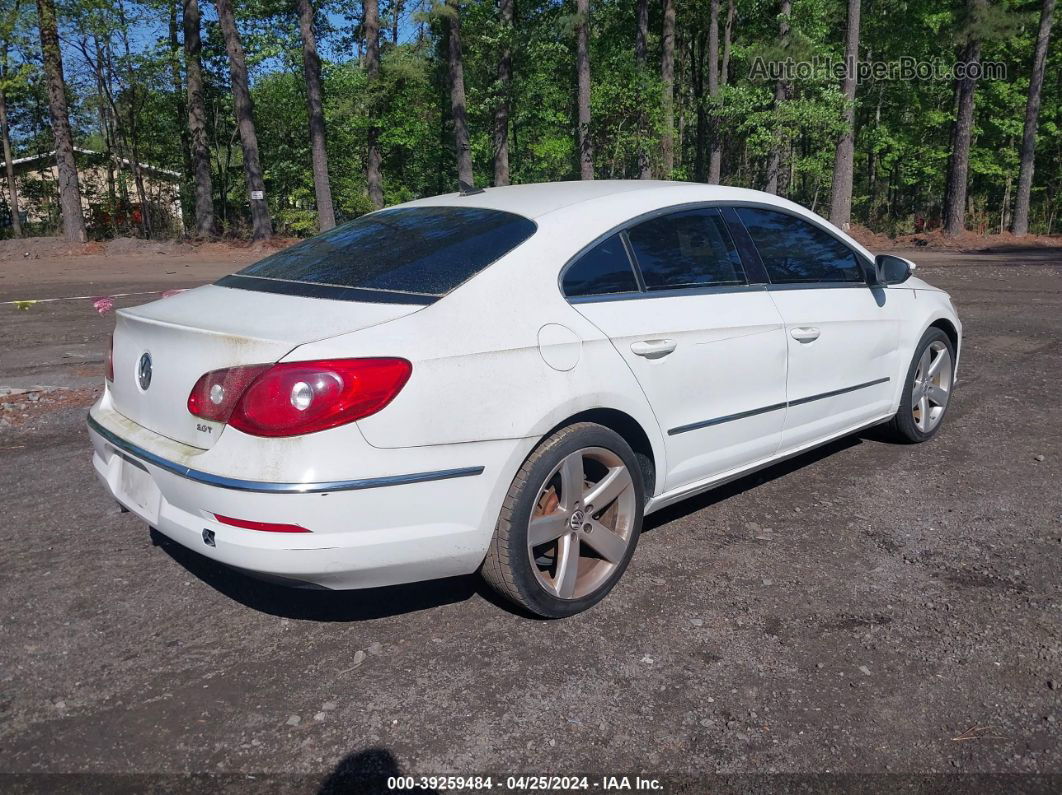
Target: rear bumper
[{"x": 366, "y": 532}]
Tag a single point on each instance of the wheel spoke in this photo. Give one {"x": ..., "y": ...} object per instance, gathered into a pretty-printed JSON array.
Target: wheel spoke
[
  {"x": 942, "y": 358},
  {"x": 608, "y": 544},
  {"x": 938, "y": 395},
  {"x": 572, "y": 477},
  {"x": 567, "y": 566},
  {"x": 923, "y": 413},
  {"x": 924, "y": 363},
  {"x": 605, "y": 491},
  {"x": 547, "y": 527}
]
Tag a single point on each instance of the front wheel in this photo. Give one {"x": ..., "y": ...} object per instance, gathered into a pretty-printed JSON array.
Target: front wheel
[
  {"x": 569, "y": 524},
  {"x": 927, "y": 391}
]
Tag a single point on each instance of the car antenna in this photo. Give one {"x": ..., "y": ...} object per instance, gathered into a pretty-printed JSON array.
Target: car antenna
[{"x": 467, "y": 189}]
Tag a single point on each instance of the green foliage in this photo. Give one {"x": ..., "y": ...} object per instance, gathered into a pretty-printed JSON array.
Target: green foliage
[{"x": 903, "y": 127}]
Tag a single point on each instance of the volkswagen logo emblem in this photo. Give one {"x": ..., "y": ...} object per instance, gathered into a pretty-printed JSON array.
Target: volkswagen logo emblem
[{"x": 143, "y": 371}]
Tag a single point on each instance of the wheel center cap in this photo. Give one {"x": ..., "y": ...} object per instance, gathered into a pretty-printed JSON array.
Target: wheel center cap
[{"x": 575, "y": 522}]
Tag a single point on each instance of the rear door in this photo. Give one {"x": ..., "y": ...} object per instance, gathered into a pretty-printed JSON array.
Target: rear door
[
  {"x": 842, "y": 333},
  {"x": 705, "y": 342}
]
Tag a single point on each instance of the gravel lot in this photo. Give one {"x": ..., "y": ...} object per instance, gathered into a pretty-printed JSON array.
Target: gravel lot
[{"x": 867, "y": 608}]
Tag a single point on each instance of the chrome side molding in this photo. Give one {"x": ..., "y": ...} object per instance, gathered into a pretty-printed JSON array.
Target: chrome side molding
[{"x": 125, "y": 449}]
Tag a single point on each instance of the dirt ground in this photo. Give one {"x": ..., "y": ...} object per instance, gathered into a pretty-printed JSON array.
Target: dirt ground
[{"x": 866, "y": 609}]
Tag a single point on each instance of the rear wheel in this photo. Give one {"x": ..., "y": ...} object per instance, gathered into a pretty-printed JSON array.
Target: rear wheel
[
  {"x": 569, "y": 524},
  {"x": 927, "y": 391}
]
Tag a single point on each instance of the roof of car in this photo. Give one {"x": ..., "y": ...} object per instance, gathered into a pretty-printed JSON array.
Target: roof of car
[
  {"x": 614, "y": 201},
  {"x": 538, "y": 199}
]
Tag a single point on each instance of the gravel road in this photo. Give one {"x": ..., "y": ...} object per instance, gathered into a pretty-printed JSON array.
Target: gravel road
[{"x": 866, "y": 608}]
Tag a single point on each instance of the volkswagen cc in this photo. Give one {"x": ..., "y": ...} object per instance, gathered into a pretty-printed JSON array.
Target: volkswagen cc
[{"x": 508, "y": 381}]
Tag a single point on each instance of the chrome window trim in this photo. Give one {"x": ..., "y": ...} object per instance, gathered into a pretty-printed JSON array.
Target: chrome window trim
[
  {"x": 126, "y": 449},
  {"x": 676, "y": 292}
]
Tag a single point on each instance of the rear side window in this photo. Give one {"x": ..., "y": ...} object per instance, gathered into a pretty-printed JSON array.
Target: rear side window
[
  {"x": 420, "y": 251},
  {"x": 603, "y": 270},
  {"x": 686, "y": 249},
  {"x": 795, "y": 251}
]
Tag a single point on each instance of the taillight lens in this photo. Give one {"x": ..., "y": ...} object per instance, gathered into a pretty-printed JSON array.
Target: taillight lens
[
  {"x": 293, "y": 398},
  {"x": 109, "y": 374},
  {"x": 215, "y": 395}
]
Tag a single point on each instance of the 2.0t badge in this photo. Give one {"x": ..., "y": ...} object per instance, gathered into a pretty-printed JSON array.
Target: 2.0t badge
[{"x": 143, "y": 371}]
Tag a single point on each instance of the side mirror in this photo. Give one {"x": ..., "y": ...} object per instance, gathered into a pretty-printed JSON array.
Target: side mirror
[{"x": 892, "y": 269}]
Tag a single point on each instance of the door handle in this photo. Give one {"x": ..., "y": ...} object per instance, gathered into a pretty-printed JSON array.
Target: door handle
[
  {"x": 653, "y": 349},
  {"x": 805, "y": 334}
]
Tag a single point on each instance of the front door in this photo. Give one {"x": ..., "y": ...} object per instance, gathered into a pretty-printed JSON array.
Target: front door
[{"x": 842, "y": 333}]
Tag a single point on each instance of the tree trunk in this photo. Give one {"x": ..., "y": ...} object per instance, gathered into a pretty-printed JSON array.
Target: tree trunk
[
  {"x": 505, "y": 77},
  {"x": 667, "y": 77},
  {"x": 781, "y": 92},
  {"x": 197, "y": 123},
  {"x": 107, "y": 130},
  {"x": 9, "y": 167},
  {"x": 728, "y": 38},
  {"x": 132, "y": 127},
  {"x": 462, "y": 148},
  {"x": 261, "y": 225},
  {"x": 69, "y": 191},
  {"x": 371, "y": 24},
  {"x": 641, "y": 35},
  {"x": 178, "y": 91},
  {"x": 962, "y": 132},
  {"x": 699, "y": 47},
  {"x": 843, "y": 162},
  {"x": 715, "y": 159},
  {"x": 311, "y": 68},
  {"x": 582, "y": 68},
  {"x": 1032, "y": 116},
  {"x": 396, "y": 20}
]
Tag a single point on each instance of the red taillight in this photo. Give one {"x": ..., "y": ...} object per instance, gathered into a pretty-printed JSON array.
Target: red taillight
[
  {"x": 110, "y": 361},
  {"x": 268, "y": 527},
  {"x": 293, "y": 398},
  {"x": 216, "y": 394}
]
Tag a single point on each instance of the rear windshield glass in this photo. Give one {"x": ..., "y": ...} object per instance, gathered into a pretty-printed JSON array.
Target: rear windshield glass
[{"x": 425, "y": 251}]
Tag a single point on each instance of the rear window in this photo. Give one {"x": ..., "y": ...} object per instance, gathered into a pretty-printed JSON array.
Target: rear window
[{"x": 412, "y": 254}]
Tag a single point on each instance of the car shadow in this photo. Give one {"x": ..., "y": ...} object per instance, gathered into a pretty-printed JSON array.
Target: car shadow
[
  {"x": 751, "y": 481},
  {"x": 312, "y": 604}
]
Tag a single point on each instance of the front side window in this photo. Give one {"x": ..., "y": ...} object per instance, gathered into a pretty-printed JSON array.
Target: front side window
[
  {"x": 686, "y": 249},
  {"x": 795, "y": 251},
  {"x": 603, "y": 270},
  {"x": 426, "y": 251}
]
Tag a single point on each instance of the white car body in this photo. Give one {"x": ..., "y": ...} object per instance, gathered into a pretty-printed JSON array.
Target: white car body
[{"x": 414, "y": 491}]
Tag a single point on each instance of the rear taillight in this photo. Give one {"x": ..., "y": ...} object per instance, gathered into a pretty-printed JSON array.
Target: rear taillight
[
  {"x": 294, "y": 398},
  {"x": 109, "y": 374},
  {"x": 215, "y": 395}
]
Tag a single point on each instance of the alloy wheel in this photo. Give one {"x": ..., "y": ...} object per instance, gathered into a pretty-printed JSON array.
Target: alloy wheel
[
  {"x": 931, "y": 389},
  {"x": 582, "y": 522}
]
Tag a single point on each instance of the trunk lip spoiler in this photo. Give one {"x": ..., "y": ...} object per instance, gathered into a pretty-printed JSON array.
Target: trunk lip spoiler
[{"x": 124, "y": 448}]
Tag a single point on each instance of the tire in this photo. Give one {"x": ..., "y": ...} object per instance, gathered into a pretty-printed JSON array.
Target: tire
[
  {"x": 906, "y": 427},
  {"x": 540, "y": 579}
]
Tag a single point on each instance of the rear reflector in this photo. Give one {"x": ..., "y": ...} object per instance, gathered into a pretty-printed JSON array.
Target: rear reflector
[{"x": 268, "y": 527}]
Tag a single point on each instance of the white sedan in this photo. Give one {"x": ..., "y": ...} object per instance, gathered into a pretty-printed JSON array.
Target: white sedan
[{"x": 508, "y": 381}]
